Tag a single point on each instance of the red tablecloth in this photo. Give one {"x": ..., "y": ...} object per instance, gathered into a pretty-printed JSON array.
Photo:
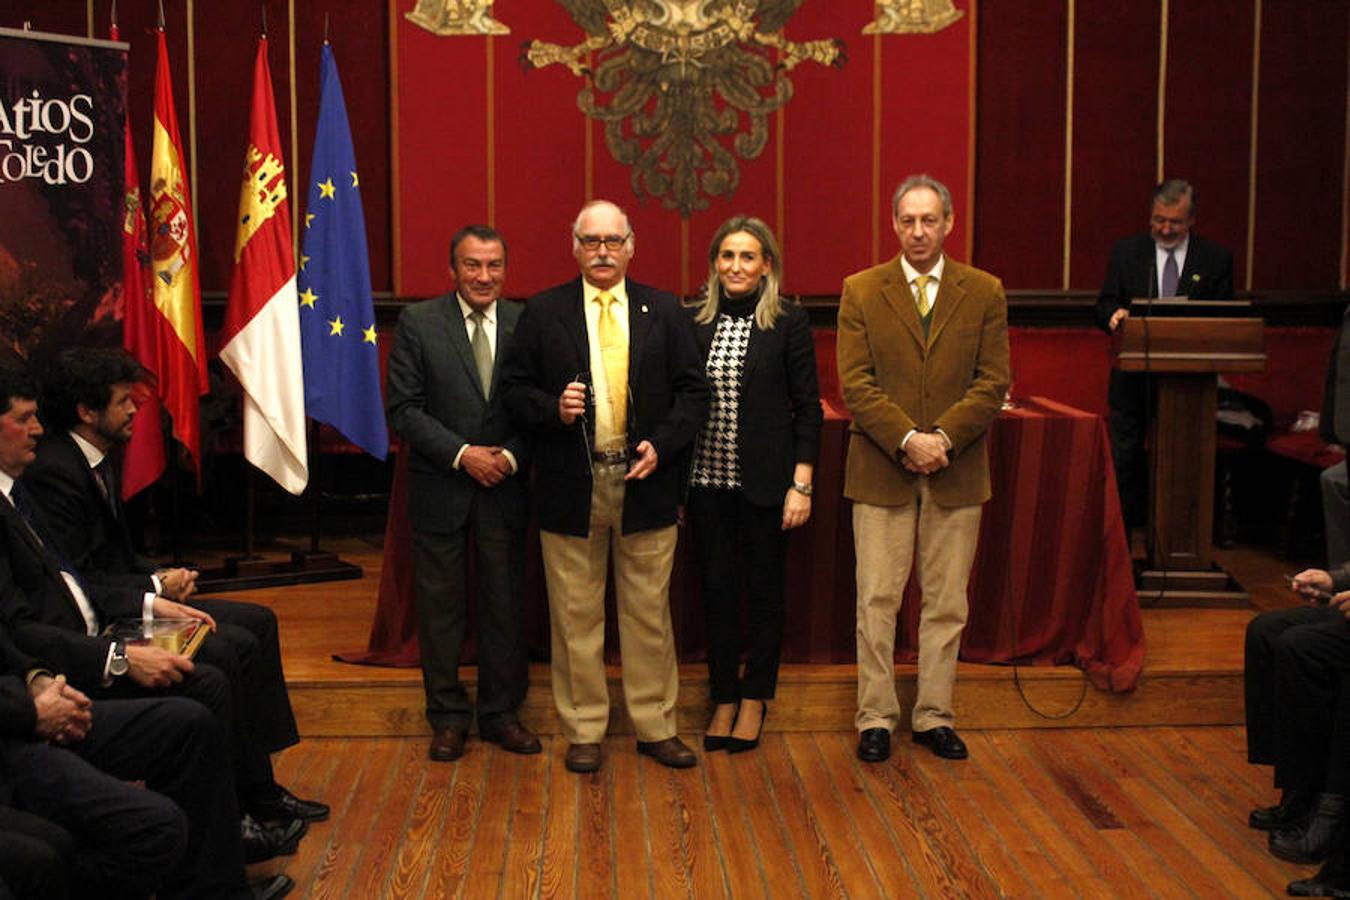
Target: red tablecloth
[{"x": 1052, "y": 581}]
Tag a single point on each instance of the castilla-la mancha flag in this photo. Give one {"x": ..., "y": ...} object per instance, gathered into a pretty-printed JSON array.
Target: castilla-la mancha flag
[
  {"x": 260, "y": 341},
  {"x": 164, "y": 330}
]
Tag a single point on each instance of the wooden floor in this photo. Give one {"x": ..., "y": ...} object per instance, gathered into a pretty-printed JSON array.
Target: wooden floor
[
  {"x": 1043, "y": 808},
  {"x": 1132, "y": 812}
]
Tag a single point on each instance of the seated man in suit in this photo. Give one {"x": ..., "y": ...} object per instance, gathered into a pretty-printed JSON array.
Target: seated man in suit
[
  {"x": 1296, "y": 674},
  {"x": 1168, "y": 260},
  {"x": 88, "y": 403},
  {"x": 54, "y": 613},
  {"x": 66, "y": 767}
]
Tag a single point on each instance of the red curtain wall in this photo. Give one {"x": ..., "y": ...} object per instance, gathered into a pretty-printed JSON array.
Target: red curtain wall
[{"x": 1263, "y": 134}]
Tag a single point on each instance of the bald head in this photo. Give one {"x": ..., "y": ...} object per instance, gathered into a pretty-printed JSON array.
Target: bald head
[{"x": 602, "y": 243}]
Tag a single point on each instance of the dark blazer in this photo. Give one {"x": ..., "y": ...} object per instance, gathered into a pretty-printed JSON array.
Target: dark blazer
[
  {"x": 436, "y": 404},
  {"x": 1133, "y": 272},
  {"x": 668, "y": 400},
  {"x": 779, "y": 416},
  {"x": 18, "y": 715},
  {"x": 40, "y": 613},
  {"x": 80, "y": 520},
  {"x": 1334, "y": 425}
]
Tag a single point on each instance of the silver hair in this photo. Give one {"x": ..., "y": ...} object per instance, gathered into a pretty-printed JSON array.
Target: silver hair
[{"x": 923, "y": 180}]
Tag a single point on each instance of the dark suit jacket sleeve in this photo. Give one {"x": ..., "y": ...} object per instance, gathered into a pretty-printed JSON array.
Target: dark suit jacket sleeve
[
  {"x": 533, "y": 408},
  {"x": 407, "y": 401},
  {"x": 803, "y": 386},
  {"x": 675, "y": 431},
  {"x": 1115, "y": 293},
  {"x": 18, "y": 715}
]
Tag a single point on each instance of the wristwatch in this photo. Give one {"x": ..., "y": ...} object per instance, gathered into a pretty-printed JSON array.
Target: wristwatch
[
  {"x": 117, "y": 663},
  {"x": 802, "y": 488}
]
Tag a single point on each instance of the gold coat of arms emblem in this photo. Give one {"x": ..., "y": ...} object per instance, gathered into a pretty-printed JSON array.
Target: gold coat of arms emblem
[{"x": 684, "y": 87}]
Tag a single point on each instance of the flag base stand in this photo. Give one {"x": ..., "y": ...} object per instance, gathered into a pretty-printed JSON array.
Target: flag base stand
[{"x": 304, "y": 567}]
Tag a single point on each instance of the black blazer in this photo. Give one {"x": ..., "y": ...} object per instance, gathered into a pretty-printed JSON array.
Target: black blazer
[
  {"x": 1132, "y": 272},
  {"x": 40, "y": 613},
  {"x": 85, "y": 525},
  {"x": 779, "y": 416},
  {"x": 18, "y": 715},
  {"x": 436, "y": 404},
  {"x": 668, "y": 400}
]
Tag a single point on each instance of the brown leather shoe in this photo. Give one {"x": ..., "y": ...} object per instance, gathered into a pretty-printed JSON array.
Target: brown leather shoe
[
  {"x": 447, "y": 744},
  {"x": 512, "y": 736},
  {"x": 583, "y": 758},
  {"x": 670, "y": 752}
]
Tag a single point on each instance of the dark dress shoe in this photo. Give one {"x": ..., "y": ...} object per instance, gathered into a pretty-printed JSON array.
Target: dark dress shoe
[
  {"x": 1290, "y": 812},
  {"x": 1317, "y": 838},
  {"x": 874, "y": 745},
  {"x": 740, "y": 745},
  {"x": 447, "y": 745},
  {"x": 1332, "y": 880},
  {"x": 582, "y": 758},
  {"x": 273, "y": 888},
  {"x": 670, "y": 752},
  {"x": 286, "y": 806},
  {"x": 943, "y": 741},
  {"x": 512, "y": 737},
  {"x": 713, "y": 742},
  {"x": 264, "y": 842}
]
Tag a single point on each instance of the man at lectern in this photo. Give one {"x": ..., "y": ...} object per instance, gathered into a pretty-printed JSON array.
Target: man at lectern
[{"x": 1166, "y": 261}]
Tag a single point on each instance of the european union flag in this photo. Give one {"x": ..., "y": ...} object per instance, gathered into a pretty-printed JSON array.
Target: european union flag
[{"x": 337, "y": 319}]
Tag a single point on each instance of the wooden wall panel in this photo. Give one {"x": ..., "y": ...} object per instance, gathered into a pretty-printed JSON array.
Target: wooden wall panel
[
  {"x": 1300, "y": 186},
  {"x": 828, "y": 201},
  {"x": 1115, "y": 84},
  {"x": 539, "y": 183},
  {"x": 441, "y": 148},
  {"x": 825, "y": 185},
  {"x": 1207, "y": 124},
  {"x": 925, "y": 123},
  {"x": 1019, "y": 176}
]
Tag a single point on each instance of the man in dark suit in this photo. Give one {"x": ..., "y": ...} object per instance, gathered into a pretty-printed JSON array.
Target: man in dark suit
[
  {"x": 54, "y": 613},
  {"x": 1166, "y": 261},
  {"x": 88, "y": 403},
  {"x": 464, "y": 477},
  {"x": 66, "y": 764},
  {"x": 606, "y": 377}
]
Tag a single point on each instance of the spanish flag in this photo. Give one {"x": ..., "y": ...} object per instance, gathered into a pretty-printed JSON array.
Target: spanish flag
[
  {"x": 166, "y": 335},
  {"x": 260, "y": 341}
]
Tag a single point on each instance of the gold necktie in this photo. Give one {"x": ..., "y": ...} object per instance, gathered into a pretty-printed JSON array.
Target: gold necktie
[
  {"x": 922, "y": 296},
  {"x": 614, "y": 356}
]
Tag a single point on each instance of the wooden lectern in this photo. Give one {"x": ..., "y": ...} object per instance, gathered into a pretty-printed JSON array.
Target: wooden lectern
[{"x": 1184, "y": 357}]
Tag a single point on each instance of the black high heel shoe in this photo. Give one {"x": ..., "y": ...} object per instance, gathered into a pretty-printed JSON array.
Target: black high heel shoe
[
  {"x": 714, "y": 742},
  {"x": 740, "y": 745}
]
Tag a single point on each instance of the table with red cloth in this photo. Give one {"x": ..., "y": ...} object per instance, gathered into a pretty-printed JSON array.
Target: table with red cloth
[{"x": 1052, "y": 582}]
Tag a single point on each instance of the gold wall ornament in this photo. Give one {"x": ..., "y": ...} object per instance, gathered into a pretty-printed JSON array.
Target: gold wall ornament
[
  {"x": 912, "y": 17},
  {"x": 673, "y": 80},
  {"x": 451, "y": 17}
]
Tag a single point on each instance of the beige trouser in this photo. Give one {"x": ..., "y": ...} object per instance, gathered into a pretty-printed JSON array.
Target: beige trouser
[
  {"x": 575, "y": 569},
  {"x": 884, "y": 542}
]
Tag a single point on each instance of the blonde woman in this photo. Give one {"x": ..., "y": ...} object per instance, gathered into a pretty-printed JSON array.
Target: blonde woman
[{"x": 751, "y": 478}]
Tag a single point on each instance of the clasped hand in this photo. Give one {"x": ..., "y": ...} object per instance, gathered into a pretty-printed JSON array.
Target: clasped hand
[
  {"x": 925, "y": 453},
  {"x": 486, "y": 465}
]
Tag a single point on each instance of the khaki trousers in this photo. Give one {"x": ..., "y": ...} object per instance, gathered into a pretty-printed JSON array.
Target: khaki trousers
[
  {"x": 884, "y": 543},
  {"x": 575, "y": 570}
]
